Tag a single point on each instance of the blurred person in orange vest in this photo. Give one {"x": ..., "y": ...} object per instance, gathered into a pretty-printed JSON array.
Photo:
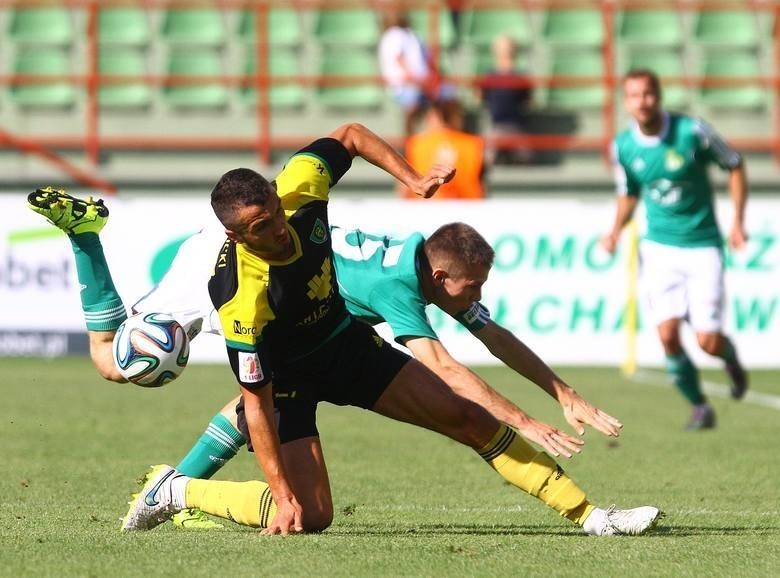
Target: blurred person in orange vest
[{"x": 442, "y": 140}]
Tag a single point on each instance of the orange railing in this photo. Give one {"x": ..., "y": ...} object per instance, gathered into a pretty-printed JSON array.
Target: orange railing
[{"x": 94, "y": 140}]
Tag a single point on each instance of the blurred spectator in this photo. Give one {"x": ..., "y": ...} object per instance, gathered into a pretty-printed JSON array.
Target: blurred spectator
[
  {"x": 407, "y": 69},
  {"x": 442, "y": 141},
  {"x": 506, "y": 92}
]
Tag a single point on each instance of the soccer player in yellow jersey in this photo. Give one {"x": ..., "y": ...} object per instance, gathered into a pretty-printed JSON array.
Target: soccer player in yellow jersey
[{"x": 291, "y": 344}]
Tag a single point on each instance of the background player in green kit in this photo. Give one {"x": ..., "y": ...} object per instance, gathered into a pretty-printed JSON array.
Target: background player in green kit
[{"x": 664, "y": 158}]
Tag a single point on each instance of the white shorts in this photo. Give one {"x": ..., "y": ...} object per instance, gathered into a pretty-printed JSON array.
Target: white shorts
[
  {"x": 183, "y": 292},
  {"x": 683, "y": 283}
]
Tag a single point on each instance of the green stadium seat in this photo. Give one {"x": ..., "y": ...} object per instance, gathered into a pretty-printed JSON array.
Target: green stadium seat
[
  {"x": 364, "y": 94},
  {"x": 354, "y": 27},
  {"x": 727, "y": 27},
  {"x": 732, "y": 64},
  {"x": 51, "y": 26},
  {"x": 125, "y": 26},
  {"x": 666, "y": 64},
  {"x": 582, "y": 63},
  {"x": 130, "y": 94},
  {"x": 482, "y": 26},
  {"x": 574, "y": 27},
  {"x": 49, "y": 94},
  {"x": 284, "y": 27},
  {"x": 651, "y": 28},
  {"x": 281, "y": 63},
  {"x": 420, "y": 21},
  {"x": 195, "y": 63},
  {"x": 196, "y": 26}
]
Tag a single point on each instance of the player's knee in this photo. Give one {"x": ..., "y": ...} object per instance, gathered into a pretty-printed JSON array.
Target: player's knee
[{"x": 318, "y": 520}]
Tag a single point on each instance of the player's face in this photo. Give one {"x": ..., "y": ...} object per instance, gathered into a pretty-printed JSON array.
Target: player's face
[
  {"x": 642, "y": 101},
  {"x": 263, "y": 229},
  {"x": 462, "y": 288}
]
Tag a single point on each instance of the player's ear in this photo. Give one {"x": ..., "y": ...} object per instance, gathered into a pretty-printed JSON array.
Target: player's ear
[
  {"x": 232, "y": 235},
  {"x": 439, "y": 275}
]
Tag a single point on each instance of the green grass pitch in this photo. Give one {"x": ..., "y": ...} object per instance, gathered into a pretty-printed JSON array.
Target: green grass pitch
[{"x": 408, "y": 502}]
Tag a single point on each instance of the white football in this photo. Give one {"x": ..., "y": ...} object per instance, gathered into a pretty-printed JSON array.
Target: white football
[{"x": 151, "y": 349}]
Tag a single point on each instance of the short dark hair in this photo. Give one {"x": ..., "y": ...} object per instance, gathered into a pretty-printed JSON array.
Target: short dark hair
[
  {"x": 646, "y": 73},
  {"x": 238, "y": 188},
  {"x": 459, "y": 243}
]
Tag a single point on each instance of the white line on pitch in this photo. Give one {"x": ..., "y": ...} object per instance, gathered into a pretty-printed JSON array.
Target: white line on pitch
[{"x": 711, "y": 388}]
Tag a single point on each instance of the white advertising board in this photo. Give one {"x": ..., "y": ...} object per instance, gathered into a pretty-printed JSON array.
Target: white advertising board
[{"x": 551, "y": 284}]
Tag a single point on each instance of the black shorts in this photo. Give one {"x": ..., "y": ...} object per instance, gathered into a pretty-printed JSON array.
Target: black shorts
[{"x": 354, "y": 368}]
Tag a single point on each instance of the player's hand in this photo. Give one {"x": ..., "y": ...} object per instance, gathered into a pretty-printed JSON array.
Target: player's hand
[
  {"x": 580, "y": 413},
  {"x": 553, "y": 440},
  {"x": 737, "y": 236},
  {"x": 430, "y": 182},
  {"x": 288, "y": 518},
  {"x": 609, "y": 243}
]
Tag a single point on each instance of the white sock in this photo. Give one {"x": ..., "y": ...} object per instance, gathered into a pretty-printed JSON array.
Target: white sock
[{"x": 178, "y": 487}]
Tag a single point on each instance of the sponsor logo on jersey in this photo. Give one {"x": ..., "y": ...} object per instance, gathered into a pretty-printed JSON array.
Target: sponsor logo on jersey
[
  {"x": 242, "y": 329},
  {"x": 249, "y": 370},
  {"x": 638, "y": 165},
  {"x": 319, "y": 233},
  {"x": 320, "y": 285},
  {"x": 674, "y": 160}
]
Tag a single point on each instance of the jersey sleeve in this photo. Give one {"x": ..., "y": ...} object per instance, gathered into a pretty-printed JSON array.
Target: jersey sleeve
[
  {"x": 405, "y": 313},
  {"x": 715, "y": 146},
  {"x": 625, "y": 184},
  {"x": 475, "y": 317}
]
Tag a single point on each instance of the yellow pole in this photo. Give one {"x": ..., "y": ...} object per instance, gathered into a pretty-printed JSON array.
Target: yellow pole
[{"x": 631, "y": 314}]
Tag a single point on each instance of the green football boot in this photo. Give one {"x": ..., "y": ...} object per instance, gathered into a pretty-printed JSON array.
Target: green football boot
[
  {"x": 194, "y": 519},
  {"x": 72, "y": 215}
]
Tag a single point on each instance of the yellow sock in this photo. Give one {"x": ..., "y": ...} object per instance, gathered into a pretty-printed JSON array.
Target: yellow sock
[
  {"x": 247, "y": 503},
  {"x": 536, "y": 473}
]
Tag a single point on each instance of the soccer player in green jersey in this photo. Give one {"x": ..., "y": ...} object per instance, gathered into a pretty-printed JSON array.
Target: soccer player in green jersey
[
  {"x": 663, "y": 158},
  {"x": 292, "y": 344}
]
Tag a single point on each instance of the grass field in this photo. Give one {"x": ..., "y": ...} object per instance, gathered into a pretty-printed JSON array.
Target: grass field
[{"x": 407, "y": 501}]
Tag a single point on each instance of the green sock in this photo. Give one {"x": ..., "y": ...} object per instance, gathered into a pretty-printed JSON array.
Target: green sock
[
  {"x": 220, "y": 442},
  {"x": 729, "y": 353},
  {"x": 685, "y": 376},
  {"x": 102, "y": 306}
]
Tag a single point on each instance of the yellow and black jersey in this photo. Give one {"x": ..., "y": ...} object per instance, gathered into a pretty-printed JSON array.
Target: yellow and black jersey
[{"x": 274, "y": 313}]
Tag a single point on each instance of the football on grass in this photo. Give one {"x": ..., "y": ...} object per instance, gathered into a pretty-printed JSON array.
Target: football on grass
[{"x": 151, "y": 349}]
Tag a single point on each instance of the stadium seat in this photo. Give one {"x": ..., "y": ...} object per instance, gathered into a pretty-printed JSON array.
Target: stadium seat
[
  {"x": 651, "y": 28},
  {"x": 365, "y": 94},
  {"x": 281, "y": 63},
  {"x": 732, "y": 64},
  {"x": 51, "y": 26},
  {"x": 666, "y": 64},
  {"x": 574, "y": 27},
  {"x": 727, "y": 27},
  {"x": 284, "y": 27},
  {"x": 482, "y": 26},
  {"x": 196, "y": 26},
  {"x": 194, "y": 63},
  {"x": 48, "y": 94},
  {"x": 583, "y": 63},
  {"x": 354, "y": 27},
  {"x": 420, "y": 23},
  {"x": 130, "y": 94},
  {"x": 125, "y": 26}
]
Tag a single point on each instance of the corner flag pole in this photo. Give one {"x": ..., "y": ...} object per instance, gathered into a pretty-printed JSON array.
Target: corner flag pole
[{"x": 630, "y": 317}]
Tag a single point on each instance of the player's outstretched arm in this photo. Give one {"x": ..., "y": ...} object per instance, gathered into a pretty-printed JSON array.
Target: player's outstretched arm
[
  {"x": 515, "y": 354},
  {"x": 464, "y": 382},
  {"x": 626, "y": 205},
  {"x": 361, "y": 142},
  {"x": 259, "y": 408}
]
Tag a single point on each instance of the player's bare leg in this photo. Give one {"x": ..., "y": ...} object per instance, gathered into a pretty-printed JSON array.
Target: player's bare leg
[
  {"x": 718, "y": 345},
  {"x": 418, "y": 397}
]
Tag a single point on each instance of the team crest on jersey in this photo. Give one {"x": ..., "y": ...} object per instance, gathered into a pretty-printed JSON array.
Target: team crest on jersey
[
  {"x": 638, "y": 165},
  {"x": 319, "y": 233},
  {"x": 674, "y": 160}
]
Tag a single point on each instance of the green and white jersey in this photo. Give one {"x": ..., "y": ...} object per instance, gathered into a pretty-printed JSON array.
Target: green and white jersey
[
  {"x": 378, "y": 278},
  {"x": 669, "y": 171}
]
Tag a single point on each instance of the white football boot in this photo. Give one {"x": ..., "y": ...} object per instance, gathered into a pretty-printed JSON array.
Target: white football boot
[
  {"x": 614, "y": 522},
  {"x": 156, "y": 502}
]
